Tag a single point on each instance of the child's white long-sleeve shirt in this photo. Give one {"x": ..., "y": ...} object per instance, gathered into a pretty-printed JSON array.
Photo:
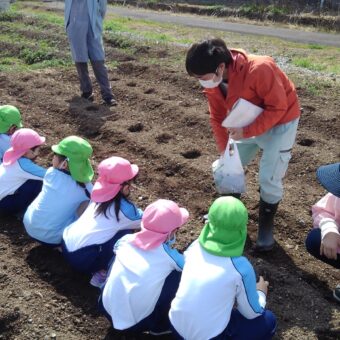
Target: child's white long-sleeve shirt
[
  {"x": 209, "y": 288},
  {"x": 91, "y": 228},
  {"x": 136, "y": 280},
  {"x": 55, "y": 207},
  {"x": 13, "y": 176}
]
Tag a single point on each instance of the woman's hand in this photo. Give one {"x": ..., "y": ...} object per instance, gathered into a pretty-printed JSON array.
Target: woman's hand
[{"x": 235, "y": 133}]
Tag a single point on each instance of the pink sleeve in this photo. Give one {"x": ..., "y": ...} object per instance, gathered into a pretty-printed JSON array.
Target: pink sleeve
[{"x": 327, "y": 207}]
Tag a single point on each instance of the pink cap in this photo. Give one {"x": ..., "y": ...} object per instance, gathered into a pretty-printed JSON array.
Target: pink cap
[
  {"x": 113, "y": 172},
  {"x": 159, "y": 220},
  {"x": 22, "y": 140}
]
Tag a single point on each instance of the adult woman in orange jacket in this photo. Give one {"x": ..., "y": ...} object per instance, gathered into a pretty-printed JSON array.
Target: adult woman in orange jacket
[{"x": 230, "y": 74}]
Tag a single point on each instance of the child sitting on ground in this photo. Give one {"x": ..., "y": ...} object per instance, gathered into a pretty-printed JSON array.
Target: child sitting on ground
[
  {"x": 215, "y": 277},
  {"x": 323, "y": 242},
  {"x": 146, "y": 272},
  {"x": 88, "y": 242},
  {"x": 66, "y": 185},
  {"x": 20, "y": 178},
  {"x": 10, "y": 120}
]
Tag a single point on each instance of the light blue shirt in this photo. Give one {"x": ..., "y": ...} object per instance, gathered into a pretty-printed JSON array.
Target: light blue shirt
[
  {"x": 55, "y": 207},
  {"x": 4, "y": 144},
  {"x": 96, "y": 10}
]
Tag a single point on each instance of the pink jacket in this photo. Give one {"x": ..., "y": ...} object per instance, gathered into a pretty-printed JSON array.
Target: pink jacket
[{"x": 326, "y": 215}]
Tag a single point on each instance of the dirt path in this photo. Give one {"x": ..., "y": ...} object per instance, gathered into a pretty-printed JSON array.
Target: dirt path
[{"x": 222, "y": 25}]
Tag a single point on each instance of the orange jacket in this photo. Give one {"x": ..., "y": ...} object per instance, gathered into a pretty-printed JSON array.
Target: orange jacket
[{"x": 259, "y": 80}]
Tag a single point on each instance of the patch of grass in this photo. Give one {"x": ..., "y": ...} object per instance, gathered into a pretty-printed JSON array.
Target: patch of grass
[
  {"x": 10, "y": 16},
  {"x": 40, "y": 14},
  {"x": 275, "y": 10},
  {"x": 112, "y": 63},
  {"x": 316, "y": 47},
  {"x": 10, "y": 64},
  {"x": 316, "y": 86},
  {"x": 35, "y": 56},
  {"x": 55, "y": 63},
  {"x": 307, "y": 63},
  {"x": 253, "y": 9},
  {"x": 118, "y": 40},
  {"x": 117, "y": 25}
]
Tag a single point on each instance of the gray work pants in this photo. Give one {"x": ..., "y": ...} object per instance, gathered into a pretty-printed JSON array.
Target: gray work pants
[{"x": 100, "y": 72}]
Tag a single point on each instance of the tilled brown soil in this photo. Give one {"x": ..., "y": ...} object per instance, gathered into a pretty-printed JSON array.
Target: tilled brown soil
[{"x": 161, "y": 124}]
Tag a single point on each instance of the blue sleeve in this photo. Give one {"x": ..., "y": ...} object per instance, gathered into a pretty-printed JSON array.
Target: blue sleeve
[
  {"x": 28, "y": 166},
  {"x": 175, "y": 255},
  {"x": 130, "y": 210},
  {"x": 248, "y": 299}
]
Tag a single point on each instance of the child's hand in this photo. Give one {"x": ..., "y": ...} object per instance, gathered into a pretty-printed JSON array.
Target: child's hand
[
  {"x": 330, "y": 245},
  {"x": 262, "y": 285}
]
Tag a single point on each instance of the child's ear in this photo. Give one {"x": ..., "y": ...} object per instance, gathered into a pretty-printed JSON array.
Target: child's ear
[{"x": 64, "y": 165}]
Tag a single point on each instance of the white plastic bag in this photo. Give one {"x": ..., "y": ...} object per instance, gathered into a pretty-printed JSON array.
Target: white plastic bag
[{"x": 228, "y": 172}]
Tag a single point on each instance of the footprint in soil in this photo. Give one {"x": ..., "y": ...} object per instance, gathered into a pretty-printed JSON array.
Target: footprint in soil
[
  {"x": 136, "y": 127},
  {"x": 191, "y": 154},
  {"x": 163, "y": 138},
  {"x": 150, "y": 91},
  {"x": 92, "y": 108},
  {"x": 306, "y": 142},
  {"x": 131, "y": 84}
]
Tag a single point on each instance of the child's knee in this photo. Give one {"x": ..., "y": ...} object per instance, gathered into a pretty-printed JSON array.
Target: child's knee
[
  {"x": 313, "y": 241},
  {"x": 271, "y": 322}
]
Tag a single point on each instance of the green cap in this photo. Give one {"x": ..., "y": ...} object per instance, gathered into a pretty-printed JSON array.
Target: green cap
[
  {"x": 226, "y": 231},
  {"x": 9, "y": 115},
  {"x": 78, "y": 151}
]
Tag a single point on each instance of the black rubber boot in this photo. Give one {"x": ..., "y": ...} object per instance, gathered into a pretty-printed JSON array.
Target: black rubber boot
[{"x": 265, "y": 240}]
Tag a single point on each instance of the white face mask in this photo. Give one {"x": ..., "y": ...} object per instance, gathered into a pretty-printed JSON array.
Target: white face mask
[{"x": 210, "y": 84}]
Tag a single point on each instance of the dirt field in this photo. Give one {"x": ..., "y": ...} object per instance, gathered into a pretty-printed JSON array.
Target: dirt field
[{"x": 161, "y": 124}]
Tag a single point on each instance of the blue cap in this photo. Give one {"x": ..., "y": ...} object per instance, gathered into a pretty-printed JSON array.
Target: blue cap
[{"x": 329, "y": 177}]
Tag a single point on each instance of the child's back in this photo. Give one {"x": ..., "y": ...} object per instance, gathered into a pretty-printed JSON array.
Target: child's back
[
  {"x": 14, "y": 175},
  {"x": 55, "y": 207},
  {"x": 88, "y": 230},
  {"x": 65, "y": 186},
  {"x": 209, "y": 287},
  {"x": 146, "y": 272},
  {"x": 20, "y": 178},
  {"x": 216, "y": 277},
  {"x": 136, "y": 281}
]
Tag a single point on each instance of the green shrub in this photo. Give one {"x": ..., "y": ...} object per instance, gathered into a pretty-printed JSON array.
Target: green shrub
[
  {"x": 10, "y": 16},
  {"x": 32, "y": 57}
]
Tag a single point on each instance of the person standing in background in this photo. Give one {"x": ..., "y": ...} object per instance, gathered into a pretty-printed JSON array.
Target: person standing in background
[{"x": 84, "y": 28}]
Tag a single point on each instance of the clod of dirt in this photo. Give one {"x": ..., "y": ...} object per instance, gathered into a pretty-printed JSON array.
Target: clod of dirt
[
  {"x": 136, "y": 127},
  {"x": 306, "y": 142},
  {"x": 192, "y": 154}
]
